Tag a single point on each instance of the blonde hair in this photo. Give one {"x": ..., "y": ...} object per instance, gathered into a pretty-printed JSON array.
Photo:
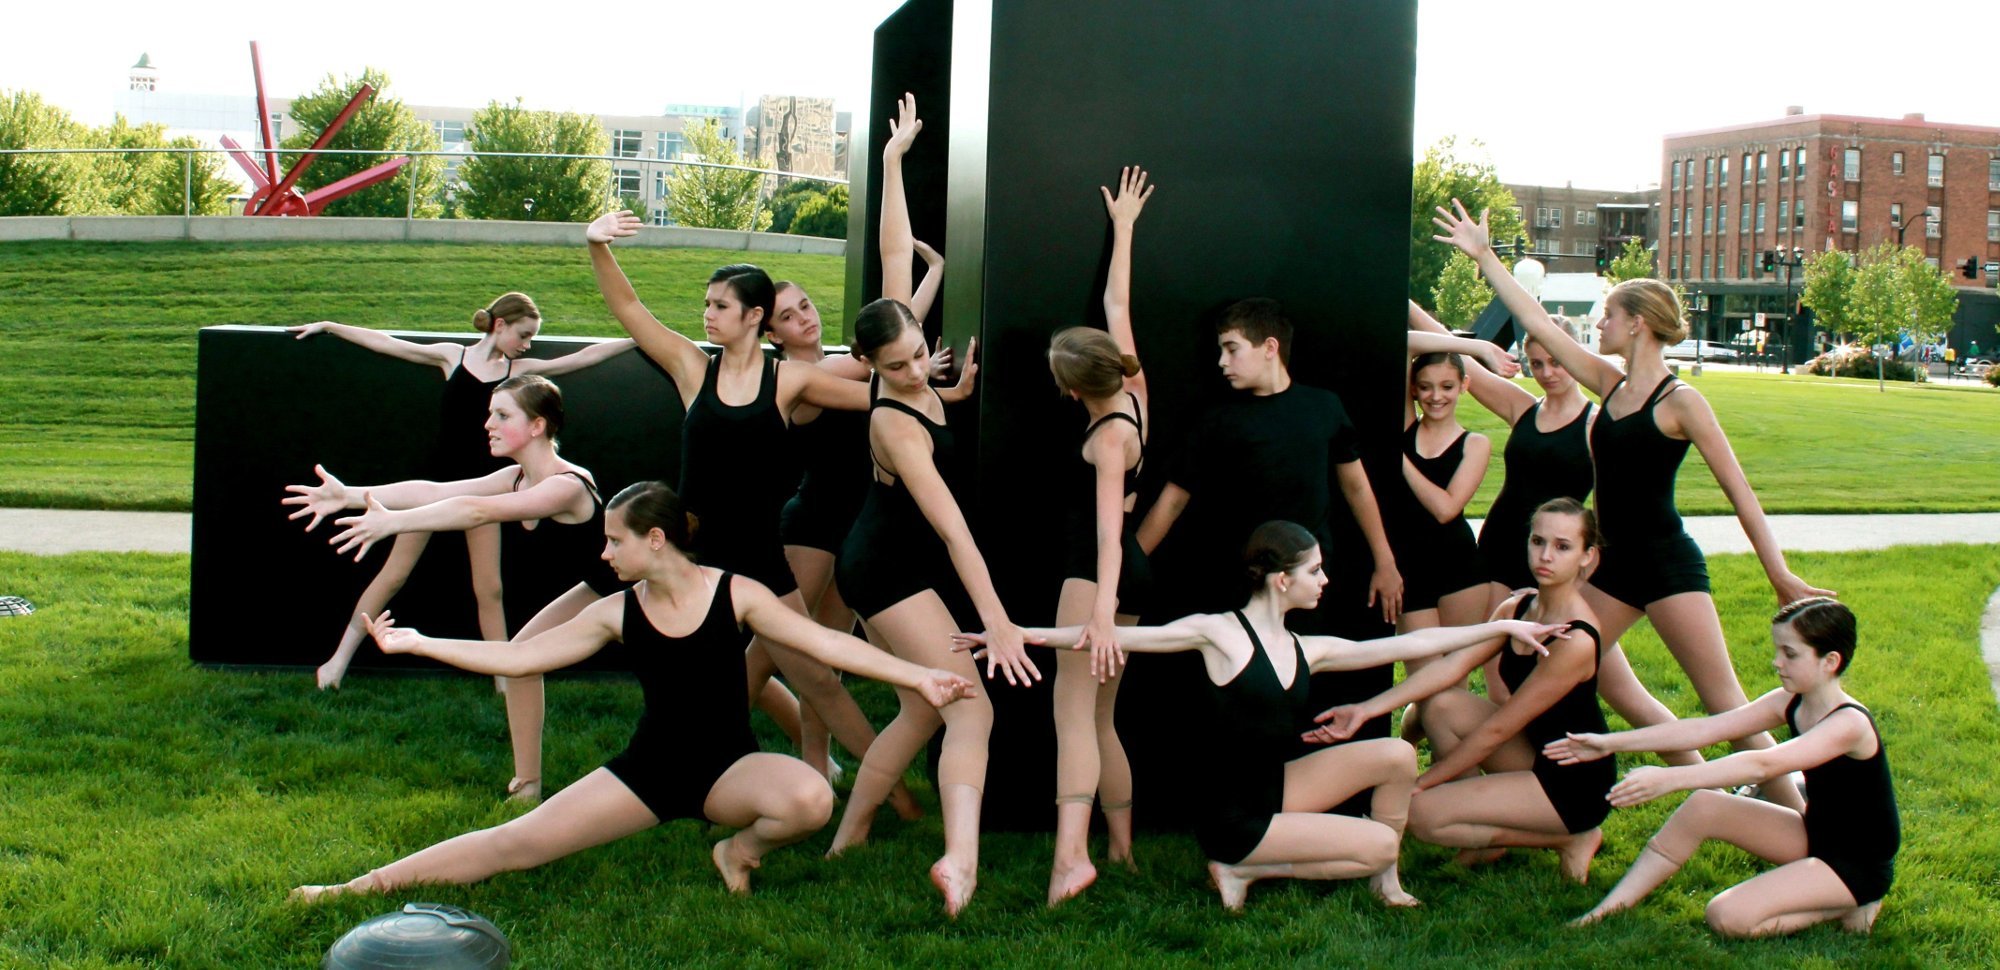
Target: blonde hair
[
  {"x": 1086, "y": 360},
  {"x": 1655, "y": 302},
  {"x": 510, "y": 306},
  {"x": 1567, "y": 325}
]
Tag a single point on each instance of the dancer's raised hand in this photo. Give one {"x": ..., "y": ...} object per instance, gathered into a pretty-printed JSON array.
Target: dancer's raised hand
[
  {"x": 903, "y": 128},
  {"x": 1461, "y": 230},
  {"x": 612, "y": 225},
  {"x": 363, "y": 530},
  {"x": 390, "y": 637},
  {"x": 318, "y": 501},
  {"x": 1131, "y": 197}
]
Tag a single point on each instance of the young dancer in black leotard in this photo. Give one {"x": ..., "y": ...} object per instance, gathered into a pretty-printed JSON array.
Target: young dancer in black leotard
[
  {"x": 1264, "y": 792},
  {"x": 555, "y": 498},
  {"x": 908, "y": 555},
  {"x": 507, "y": 326},
  {"x": 1522, "y": 798},
  {"x": 1443, "y": 465},
  {"x": 1106, "y": 578},
  {"x": 1650, "y": 566},
  {"x": 1837, "y": 858},
  {"x": 693, "y": 755}
]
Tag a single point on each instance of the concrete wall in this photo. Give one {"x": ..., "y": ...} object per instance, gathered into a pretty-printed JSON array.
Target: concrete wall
[{"x": 325, "y": 229}]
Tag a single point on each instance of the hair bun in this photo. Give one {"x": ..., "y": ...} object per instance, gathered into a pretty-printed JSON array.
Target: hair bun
[
  {"x": 482, "y": 321},
  {"x": 1129, "y": 364}
]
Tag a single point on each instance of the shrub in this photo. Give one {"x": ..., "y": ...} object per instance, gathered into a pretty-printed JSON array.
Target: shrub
[
  {"x": 1993, "y": 375},
  {"x": 1856, "y": 361}
]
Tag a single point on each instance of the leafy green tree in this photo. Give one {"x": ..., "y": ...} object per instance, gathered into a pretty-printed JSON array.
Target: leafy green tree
[
  {"x": 42, "y": 185},
  {"x": 153, "y": 183},
  {"x": 784, "y": 203},
  {"x": 561, "y": 189},
  {"x": 1460, "y": 294},
  {"x": 1441, "y": 176},
  {"x": 714, "y": 198},
  {"x": 1895, "y": 292},
  {"x": 822, "y": 214},
  {"x": 208, "y": 188},
  {"x": 1634, "y": 262},
  {"x": 380, "y": 124},
  {"x": 1829, "y": 290}
]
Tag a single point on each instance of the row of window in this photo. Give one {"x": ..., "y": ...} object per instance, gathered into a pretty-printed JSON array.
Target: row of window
[
  {"x": 625, "y": 142},
  {"x": 1791, "y": 165},
  {"x": 1716, "y": 218},
  {"x": 1748, "y": 266},
  {"x": 1551, "y": 217}
]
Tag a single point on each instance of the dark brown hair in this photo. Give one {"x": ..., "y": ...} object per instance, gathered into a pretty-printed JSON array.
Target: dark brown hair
[
  {"x": 538, "y": 397},
  {"x": 1564, "y": 505},
  {"x": 1435, "y": 358},
  {"x": 653, "y": 505},
  {"x": 1259, "y": 319},
  {"x": 1825, "y": 624},
  {"x": 879, "y": 324},
  {"x": 1275, "y": 547},
  {"x": 508, "y": 308},
  {"x": 1086, "y": 360}
]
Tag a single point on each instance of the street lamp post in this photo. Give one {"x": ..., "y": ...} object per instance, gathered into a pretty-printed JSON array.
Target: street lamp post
[{"x": 1791, "y": 259}]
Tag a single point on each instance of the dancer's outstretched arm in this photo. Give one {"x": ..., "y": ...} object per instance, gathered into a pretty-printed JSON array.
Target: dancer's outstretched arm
[
  {"x": 1688, "y": 734},
  {"x": 1193, "y": 632},
  {"x": 331, "y": 495},
  {"x": 1497, "y": 394},
  {"x": 926, "y": 294},
  {"x": 585, "y": 634},
  {"x": 440, "y": 355},
  {"x": 897, "y": 241},
  {"x": 772, "y": 619},
  {"x": 1124, "y": 208},
  {"x": 682, "y": 359},
  {"x": 1568, "y": 664},
  {"x": 1840, "y": 733},
  {"x": 1689, "y": 413},
  {"x": 1487, "y": 354},
  {"x": 1328, "y": 653},
  {"x": 590, "y": 356},
  {"x": 547, "y": 498}
]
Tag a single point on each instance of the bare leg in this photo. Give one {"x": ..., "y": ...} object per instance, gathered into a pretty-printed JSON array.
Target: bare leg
[
  {"x": 395, "y": 572},
  {"x": 1616, "y": 681},
  {"x": 1508, "y": 808},
  {"x": 1114, "y": 776},
  {"x": 482, "y": 549},
  {"x": 1772, "y": 832},
  {"x": 526, "y": 707},
  {"x": 1788, "y": 899},
  {"x": 1300, "y": 844},
  {"x": 1688, "y": 624},
  {"x": 595, "y": 810},
  {"x": 1078, "y": 763},
  {"x": 1413, "y": 715},
  {"x": 813, "y": 570},
  {"x": 774, "y": 801},
  {"x": 768, "y": 695}
]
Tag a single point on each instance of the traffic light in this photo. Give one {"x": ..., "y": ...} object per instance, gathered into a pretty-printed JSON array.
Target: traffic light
[
  {"x": 1770, "y": 257},
  {"x": 1970, "y": 267},
  {"x": 1603, "y": 259}
]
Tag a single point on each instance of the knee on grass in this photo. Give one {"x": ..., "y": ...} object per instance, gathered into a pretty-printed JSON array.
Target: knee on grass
[{"x": 1730, "y": 916}]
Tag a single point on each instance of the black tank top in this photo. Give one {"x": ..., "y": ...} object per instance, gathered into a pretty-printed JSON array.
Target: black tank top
[
  {"x": 833, "y": 452},
  {"x": 462, "y": 450},
  {"x": 1542, "y": 465},
  {"x": 1260, "y": 717},
  {"x": 1851, "y": 805},
  {"x": 692, "y": 684},
  {"x": 1437, "y": 470},
  {"x": 539, "y": 564},
  {"x": 1636, "y": 465},
  {"x": 1083, "y": 502},
  {"x": 900, "y": 505},
  {"x": 736, "y": 472},
  {"x": 1574, "y": 711}
]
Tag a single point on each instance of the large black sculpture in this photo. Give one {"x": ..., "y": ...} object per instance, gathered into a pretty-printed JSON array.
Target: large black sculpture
[{"x": 1279, "y": 134}]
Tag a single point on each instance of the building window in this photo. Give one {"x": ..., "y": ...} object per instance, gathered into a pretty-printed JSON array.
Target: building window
[
  {"x": 625, "y": 143},
  {"x": 1895, "y": 163},
  {"x": 672, "y": 144},
  {"x": 1799, "y": 164},
  {"x": 1722, "y": 170},
  {"x": 451, "y": 133},
  {"x": 1895, "y": 215},
  {"x": 1936, "y": 175},
  {"x": 1689, "y": 221},
  {"x": 1556, "y": 217},
  {"x": 1784, "y": 215},
  {"x": 1763, "y": 167},
  {"x": 1850, "y": 216},
  {"x": 1707, "y": 219},
  {"x": 1580, "y": 247},
  {"x": 1746, "y": 168},
  {"x": 1709, "y": 178},
  {"x": 1677, "y": 175},
  {"x": 1784, "y": 165},
  {"x": 630, "y": 183},
  {"x": 1745, "y": 227},
  {"x": 1722, "y": 217},
  {"x": 1932, "y": 217},
  {"x": 1760, "y": 216},
  {"x": 1675, "y": 215},
  {"x": 1850, "y": 165},
  {"x": 1993, "y": 175},
  {"x": 659, "y": 185},
  {"x": 1541, "y": 217},
  {"x": 1799, "y": 214},
  {"x": 1993, "y": 225}
]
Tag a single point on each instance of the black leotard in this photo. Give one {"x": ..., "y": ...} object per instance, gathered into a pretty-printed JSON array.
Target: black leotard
[
  {"x": 1647, "y": 556},
  {"x": 736, "y": 473},
  {"x": 539, "y": 564},
  {"x": 462, "y": 451},
  {"x": 1435, "y": 558},
  {"x": 1257, "y": 725},
  {"x": 1851, "y": 819},
  {"x": 833, "y": 450},
  {"x": 1577, "y": 791},
  {"x": 696, "y": 725},
  {"x": 1540, "y": 465},
  {"x": 893, "y": 553},
  {"x": 1135, "y": 573}
]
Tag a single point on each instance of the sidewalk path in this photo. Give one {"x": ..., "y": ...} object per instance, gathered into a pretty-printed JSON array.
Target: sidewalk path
[{"x": 53, "y": 531}]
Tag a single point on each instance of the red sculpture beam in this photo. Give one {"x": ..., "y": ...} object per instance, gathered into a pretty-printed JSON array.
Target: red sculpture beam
[{"x": 273, "y": 195}]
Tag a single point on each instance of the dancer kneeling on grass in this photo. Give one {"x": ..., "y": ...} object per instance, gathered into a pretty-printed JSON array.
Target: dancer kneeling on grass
[
  {"x": 693, "y": 755},
  {"x": 1835, "y": 859},
  {"x": 1263, "y": 820},
  {"x": 1523, "y": 798}
]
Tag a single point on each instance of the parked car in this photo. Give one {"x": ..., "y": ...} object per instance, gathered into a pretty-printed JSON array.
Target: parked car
[{"x": 1708, "y": 350}]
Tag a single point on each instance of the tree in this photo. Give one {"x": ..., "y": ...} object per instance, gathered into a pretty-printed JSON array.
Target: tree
[
  {"x": 157, "y": 183},
  {"x": 42, "y": 185},
  {"x": 1440, "y": 177},
  {"x": 1635, "y": 262},
  {"x": 1895, "y": 291},
  {"x": 1829, "y": 290},
  {"x": 1460, "y": 294},
  {"x": 561, "y": 189},
  {"x": 380, "y": 124},
  {"x": 785, "y": 203},
  {"x": 822, "y": 214},
  {"x": 714, "y": 198}
]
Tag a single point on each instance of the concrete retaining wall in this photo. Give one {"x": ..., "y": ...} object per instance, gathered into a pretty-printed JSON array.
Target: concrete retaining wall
[{"x": 326, "y": 229}]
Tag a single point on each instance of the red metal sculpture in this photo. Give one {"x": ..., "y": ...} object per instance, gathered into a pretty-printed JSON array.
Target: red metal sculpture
[{"x": 274, "y": 195}]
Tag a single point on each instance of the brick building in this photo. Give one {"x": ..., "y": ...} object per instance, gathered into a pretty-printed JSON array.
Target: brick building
[
  {"x": 1566, "y": 225},
  {"x": 1826, "y": 182}
]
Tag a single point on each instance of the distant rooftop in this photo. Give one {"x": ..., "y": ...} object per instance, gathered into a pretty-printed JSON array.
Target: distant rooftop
[{"x": 145, "y": 60}]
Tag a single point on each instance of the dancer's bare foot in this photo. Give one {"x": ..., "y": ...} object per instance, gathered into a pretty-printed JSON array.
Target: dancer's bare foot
[
  {"x": 1121, "y": 852},
  {"x": 905, "y": 803},
  {"x": 330, "y": 674},
  {"x": 734, "y": 867},
  {"x": 954, "y": 883},
  {"x": 847, "y": 836},
  {"x": 1067, "y": 881},
  {"x": 1233, "y": 888},
  {"x": 1388, "y": 884},
  {"x": 1861, "y": 919},
  {"x": 527, "y": 791},
  {"x": 1594, "y": 915},
  {"x": 1480, "y": 857},
  {"x": 1577, "y": 853},
  {"x": 315, "y": 894}
]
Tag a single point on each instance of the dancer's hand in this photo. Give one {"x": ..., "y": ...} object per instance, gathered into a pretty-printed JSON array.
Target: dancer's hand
[
  {"x": 1461, "y": 230},
  {"x": 931, "y": 257},
  {"x": 1003, "y": 647},
  {"x": 1500, "y": 361},
  {"x": 1527, "y": 637},
  {"x": 940, "y": 359},
  {"x": 1385, "y": 587},
  {"x": 1641, "y": 785},
  {"x": 1100, "y": 637},
  {"x": 1132, "y": 195},
  {"x": 364, "y": 530},
  {"x": 390, "y": 637},
  {"x": 903, "y": 128},
  {"x": 307, "y": 330},
  {"x": 963, "y": 386},
  {"x": 1791, "y": 589},
  {"x": 1336, "y": 724},
  {"x": 1574, "y": 749},
  {"x": 612, "y": 225},
  {"x": 318, "y": 501},
  {"x": 941, "y": 687}
]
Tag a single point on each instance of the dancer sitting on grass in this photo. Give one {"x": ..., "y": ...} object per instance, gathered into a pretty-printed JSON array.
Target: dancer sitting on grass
[
  {"x": 551, "y": 526},
  {"x": 1837, "y": 858},
  {"x": 1264, "y": 819},
  {"x": 1523, "y": 798},
  {"x": 683, "y": 628},
  {"x": 507, "y": 329}
]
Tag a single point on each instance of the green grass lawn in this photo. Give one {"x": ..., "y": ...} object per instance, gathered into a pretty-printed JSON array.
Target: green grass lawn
[
  {"x": 154, "y": 815},
  {"x": 98, "y": 387}
]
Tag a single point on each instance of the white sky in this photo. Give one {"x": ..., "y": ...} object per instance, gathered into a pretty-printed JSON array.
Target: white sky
[{"x": 1559, "y": 90}]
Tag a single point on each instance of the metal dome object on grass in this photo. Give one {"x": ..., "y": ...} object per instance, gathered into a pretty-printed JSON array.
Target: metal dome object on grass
[{"x": 433, "y": 936}]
